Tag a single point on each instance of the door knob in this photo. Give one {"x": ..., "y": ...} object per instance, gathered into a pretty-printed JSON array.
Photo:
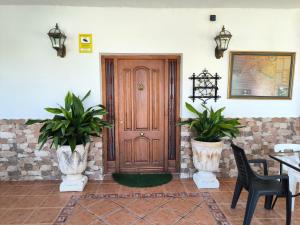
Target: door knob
[{"x": 142, "y": 134}]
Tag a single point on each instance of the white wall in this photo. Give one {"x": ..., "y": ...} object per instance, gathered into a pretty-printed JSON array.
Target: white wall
[{"x": 33, "y": 77}]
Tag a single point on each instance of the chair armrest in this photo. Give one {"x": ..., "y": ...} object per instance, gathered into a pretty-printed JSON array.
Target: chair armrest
[
  {"x": 263, "y": 161},
  {"x": 275, "y": 177},
  {"x": 284, "y": 180}
]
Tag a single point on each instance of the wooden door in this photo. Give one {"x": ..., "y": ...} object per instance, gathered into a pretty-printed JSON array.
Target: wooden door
[{"x": 142, "y": 114}]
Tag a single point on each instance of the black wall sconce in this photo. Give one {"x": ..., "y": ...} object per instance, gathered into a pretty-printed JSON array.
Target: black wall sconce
[
  {"x": 205, "y": 86},
  {"x": 222, "y": 40},
  {"x": 58, "y": 38}
]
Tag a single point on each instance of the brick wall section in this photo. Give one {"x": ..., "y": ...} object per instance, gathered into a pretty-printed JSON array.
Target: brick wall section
[
  {"x": 258, "y": 138},
  {"x": 20, "y": 159}
]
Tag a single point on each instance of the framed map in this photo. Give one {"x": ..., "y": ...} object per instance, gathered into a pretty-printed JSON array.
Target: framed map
[{"x": 261, "y": 75}]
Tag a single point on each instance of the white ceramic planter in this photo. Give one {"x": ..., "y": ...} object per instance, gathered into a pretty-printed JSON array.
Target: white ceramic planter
[
  {"x": 206, "y": 159},
  {"x": 72, "y": 165}
]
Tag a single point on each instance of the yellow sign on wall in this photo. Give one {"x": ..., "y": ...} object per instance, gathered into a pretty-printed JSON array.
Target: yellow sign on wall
[{"x": 85, "y": 43}]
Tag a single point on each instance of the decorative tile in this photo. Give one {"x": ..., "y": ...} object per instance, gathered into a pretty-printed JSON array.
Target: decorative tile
[{"x": 153, "y": 208}]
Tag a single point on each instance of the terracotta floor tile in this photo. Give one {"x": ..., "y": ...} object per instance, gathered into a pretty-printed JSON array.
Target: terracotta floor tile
[
  {"x": 186, "y": 222},
  {"x": 240, "y": 222},
  {"x": 123, "y": 202},
  {"x": 163, "y": 215},
  {"x": 55, "y": 201},
  {"x": 272, "y": 221},
  {"x": 18, "y": 190},
  {"x": 224, "y": 197},
  {"x": 174, "y": 187},
  {"x": 239, "y": 212},
  {"x": 91, "y": 188},
  {"x": 181, "y": 206},
  {"x": 87, "y": 202},
  {"x": 121, "y": 217},
  {"x": 141, "y": 222},
  {"x": 227, "y": 186},
  {"x": 3, "y": 189},
  {"x": 159, "y": 189},
  {"x": 98, "y": 222},
  {"x": 9, "y": 201},
  {"x": 42, "y": 189},
  {"x": 124, "y": 189},
  {"x": 30, "y": 202},
  {"x": 295, "y": 214},
  {"x": 43, "y": 215},
  {"x": 2, "y": 212},
  {"x": 40, "y": 202},
  {"x": 108, "y": 188},
  {"x": 141, "y": 207},
  {"x": 103, "y": 207},
  {"x": 236, "y": 214},
  {"x": 16, "y": 216},
  {"x": 190, "y": 187},
  {"x": 262, "y": 213},
  {"x": 64, "y": 194},
  {"x": 159, "y": 201},
  {"x": 201, "y": 215},
  {"x": 81, "y": 216}
]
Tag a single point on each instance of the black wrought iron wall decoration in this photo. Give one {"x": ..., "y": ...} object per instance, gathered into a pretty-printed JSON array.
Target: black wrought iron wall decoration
[{"x": 205, "y": 86}]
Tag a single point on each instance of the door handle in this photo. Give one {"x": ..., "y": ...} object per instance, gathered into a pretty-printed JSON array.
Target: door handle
[{"x": 142, "y": 134}]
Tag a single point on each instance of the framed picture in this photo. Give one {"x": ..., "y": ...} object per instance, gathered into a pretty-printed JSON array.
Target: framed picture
[{"x": 261, "y": 75}]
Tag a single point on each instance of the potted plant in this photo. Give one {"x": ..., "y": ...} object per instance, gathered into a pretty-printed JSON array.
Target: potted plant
[
  {"x": 208, "y": 128},
  {"x": 70, "y": 132}
]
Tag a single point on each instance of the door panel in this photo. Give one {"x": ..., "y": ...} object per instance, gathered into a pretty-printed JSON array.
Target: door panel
[
  {"x": 127, "y": 104},
  {"x": 127, "y": 152},
  {"x": 141, "y": 150},
  {"x": 141, "y": 80},
  {"x": 142, "y": 114}
]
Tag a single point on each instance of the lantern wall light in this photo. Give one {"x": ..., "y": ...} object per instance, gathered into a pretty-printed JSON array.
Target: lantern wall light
[
  {"x": 58, "y": 38},
  {"x": 222, "y": 40}
]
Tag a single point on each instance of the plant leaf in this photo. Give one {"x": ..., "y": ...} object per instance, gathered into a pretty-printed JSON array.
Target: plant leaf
[
  {"x": 54, "y": 110},
  {"x": 68, "y": 101},
  {"x": 30, "y": 121},
  {"x": 86, "y": 95}
]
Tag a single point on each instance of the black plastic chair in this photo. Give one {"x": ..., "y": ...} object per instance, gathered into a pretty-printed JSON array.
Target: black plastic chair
[{"x": 257, "y": 185}]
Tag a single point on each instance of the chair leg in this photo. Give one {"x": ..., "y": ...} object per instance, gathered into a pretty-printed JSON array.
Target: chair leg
[
  {"x": 236, "y": 194},
  {"x": 288, "y": 208},
  {"x": 251, "y": 204},
  {"x": 268, "y": 202}
]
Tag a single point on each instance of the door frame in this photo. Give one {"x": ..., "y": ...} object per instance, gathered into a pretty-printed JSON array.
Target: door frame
[{"x": 172, "y": 98}]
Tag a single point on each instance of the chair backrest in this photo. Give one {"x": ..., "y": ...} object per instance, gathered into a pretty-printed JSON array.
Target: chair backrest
[
  {"x": 245, "y": 172},
  {"x": 283, "y": 147}
]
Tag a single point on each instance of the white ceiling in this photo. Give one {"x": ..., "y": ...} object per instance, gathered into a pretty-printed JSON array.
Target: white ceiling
[{"x": 163, "y": 3}]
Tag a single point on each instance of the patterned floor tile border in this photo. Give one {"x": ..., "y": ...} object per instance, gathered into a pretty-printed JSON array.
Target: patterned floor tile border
[{"x": 209, "y": 200}]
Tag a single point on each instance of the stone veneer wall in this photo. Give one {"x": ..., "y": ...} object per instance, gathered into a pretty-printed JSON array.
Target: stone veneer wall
[
  {"x": 258, "y": 138},
  {"x": 20, "y": 159}
]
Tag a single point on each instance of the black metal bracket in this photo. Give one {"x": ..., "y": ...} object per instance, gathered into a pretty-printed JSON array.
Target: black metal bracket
[{"x": 205, "y": 86}]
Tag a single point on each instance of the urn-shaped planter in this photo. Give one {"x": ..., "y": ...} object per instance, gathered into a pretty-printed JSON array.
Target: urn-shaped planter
[
  {"x": 71, "y": 125},
  {"x": 206, "y": 159},
  {"x": 72, "y": 164}
]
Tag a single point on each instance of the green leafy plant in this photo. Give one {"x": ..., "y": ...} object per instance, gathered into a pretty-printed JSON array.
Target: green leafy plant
[
  {"x": 72, "y": 124},
  {"x": 210, "y": 125}
]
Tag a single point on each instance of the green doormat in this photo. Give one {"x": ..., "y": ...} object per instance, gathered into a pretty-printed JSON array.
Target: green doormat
[{"x": 142, "y": 180}]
